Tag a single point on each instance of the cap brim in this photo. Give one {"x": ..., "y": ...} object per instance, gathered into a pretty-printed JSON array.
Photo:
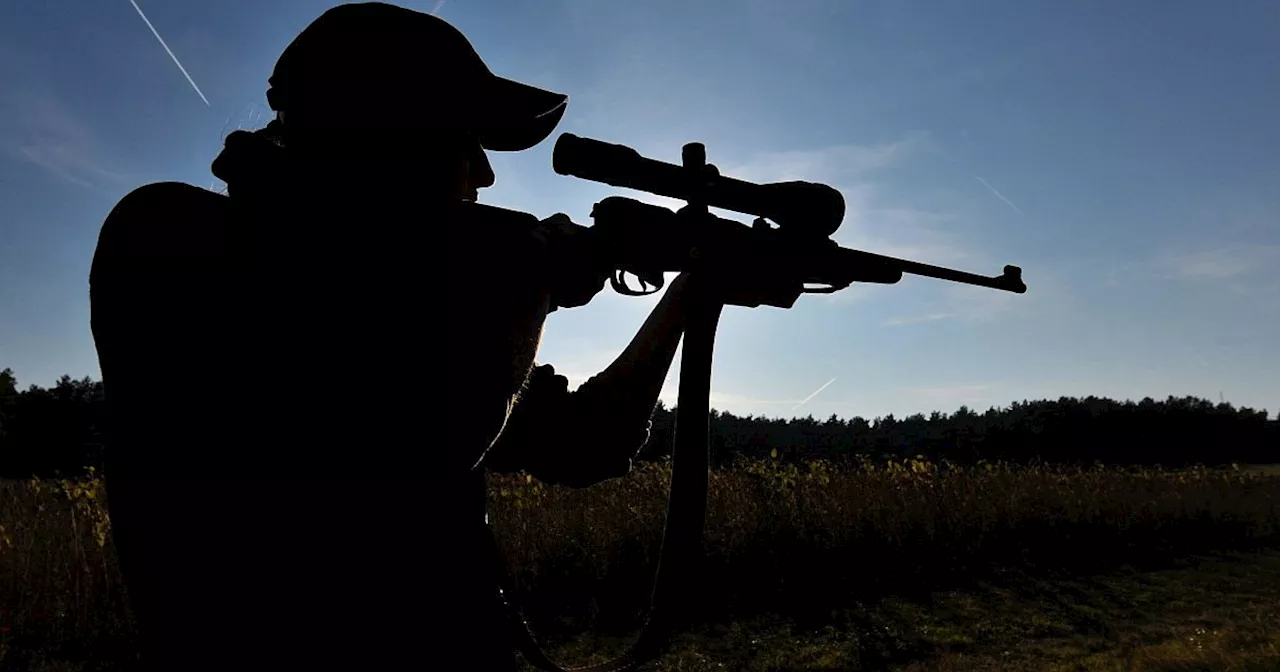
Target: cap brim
[{"x": 518, "y": 116}]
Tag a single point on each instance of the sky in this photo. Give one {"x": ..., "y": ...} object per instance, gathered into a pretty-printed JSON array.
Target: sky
[{"x": 1123, "y": 154}]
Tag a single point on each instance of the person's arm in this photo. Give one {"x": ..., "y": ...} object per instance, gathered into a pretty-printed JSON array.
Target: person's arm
[
  {"x": 631, "y": 383},
  {"x": 583, "y": 437}
]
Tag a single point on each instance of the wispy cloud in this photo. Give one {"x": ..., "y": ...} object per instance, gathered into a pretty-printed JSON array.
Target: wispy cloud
[
  {"x": 65, "y": 162},
  {"x": 872, "y": 221},
  {"x": 40, "y": 130},
  {"x": 918, "y": 319},
  {"x": 834, "y": 164},
  {"x": 813, "y": 394},
  {"x": 978, "y": 304},
  {"x": 1223, "y": 263},
  {"x": 170, "y": 51},
  {"x": 999, "y": 195},
  {"x": 436, "y": 10}
]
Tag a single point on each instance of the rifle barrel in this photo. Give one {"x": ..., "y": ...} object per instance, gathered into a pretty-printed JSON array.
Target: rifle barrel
[{"x": 1009, "y": 281}]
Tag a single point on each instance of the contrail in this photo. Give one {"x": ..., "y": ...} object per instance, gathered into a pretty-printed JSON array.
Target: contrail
[
  {"x": 439, "y": 5},
  {"x": 815, "y": 393},
  {"x": 1000, "y": 195},
  {"x": 166, "y": 48}
]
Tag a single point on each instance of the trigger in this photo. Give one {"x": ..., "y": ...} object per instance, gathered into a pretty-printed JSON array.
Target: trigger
[{"x": 654, "y": 280}]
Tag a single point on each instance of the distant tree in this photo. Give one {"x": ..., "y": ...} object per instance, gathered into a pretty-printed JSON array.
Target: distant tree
[
  {"x": 8, "y": 383},
  {"x": 53, "y": 430},
  {"x": 60, "y": 429},
  {"x": 8, "y": 396}
]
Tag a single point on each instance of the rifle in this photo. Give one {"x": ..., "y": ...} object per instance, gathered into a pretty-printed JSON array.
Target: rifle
[
  {"x": 785, "y": 252},
  {"x": 788, "y": 246}
]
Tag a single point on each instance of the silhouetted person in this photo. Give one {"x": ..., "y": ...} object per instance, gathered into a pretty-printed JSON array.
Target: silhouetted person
[{"x": 296, "y": 507}]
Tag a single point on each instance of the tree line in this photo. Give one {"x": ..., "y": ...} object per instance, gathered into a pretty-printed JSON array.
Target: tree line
[
  {"x": 1178, "y": 431},
  {"x": 61, "y": 429}
]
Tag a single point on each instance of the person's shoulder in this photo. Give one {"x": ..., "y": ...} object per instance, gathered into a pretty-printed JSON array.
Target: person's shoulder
[
  {"x": 166, "y": 217},
  {"x": 165, "y": 200}
]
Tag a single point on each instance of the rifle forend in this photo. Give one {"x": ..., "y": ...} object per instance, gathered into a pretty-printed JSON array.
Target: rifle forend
[{"x": 768, "y": 265}]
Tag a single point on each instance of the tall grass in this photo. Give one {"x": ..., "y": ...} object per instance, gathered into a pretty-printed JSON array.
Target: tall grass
[
  {"x": 783, "y": 537},
  {"x": 807, "y": 537},
  {"x": 60, "y": 588}
]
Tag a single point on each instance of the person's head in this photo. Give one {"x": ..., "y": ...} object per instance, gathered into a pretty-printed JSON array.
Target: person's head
[{"x": 385, "y": 89}]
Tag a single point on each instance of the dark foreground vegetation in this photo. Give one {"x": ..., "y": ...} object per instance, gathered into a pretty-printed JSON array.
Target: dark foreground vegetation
[
  {"x": 958, "y": 542},
  {"x": 806, "y": 539},
  {"x": 854, "y": 555}
]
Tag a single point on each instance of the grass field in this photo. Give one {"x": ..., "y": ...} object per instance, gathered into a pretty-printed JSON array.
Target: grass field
[
  {"x": 908, "y": 565},
  {"x": 1212, "y": 612}
]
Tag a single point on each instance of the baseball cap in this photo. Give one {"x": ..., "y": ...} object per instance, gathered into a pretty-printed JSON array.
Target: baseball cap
[{"x": 416, "y": 63}]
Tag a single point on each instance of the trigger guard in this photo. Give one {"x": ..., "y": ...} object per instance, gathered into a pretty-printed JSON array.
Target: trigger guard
[
  {"x": 618, "y": 280},
  {"x": 620, "y": 284}
]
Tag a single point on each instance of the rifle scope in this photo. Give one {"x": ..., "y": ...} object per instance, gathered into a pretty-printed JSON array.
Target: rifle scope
[{"x": 807, "y": 208}]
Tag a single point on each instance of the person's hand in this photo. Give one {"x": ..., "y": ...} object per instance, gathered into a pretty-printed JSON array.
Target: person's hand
[
  {"x": 576, "y": 438},
  {"x": 573, "y": 269}
]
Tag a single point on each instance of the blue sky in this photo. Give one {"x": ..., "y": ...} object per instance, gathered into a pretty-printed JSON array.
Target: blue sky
[{"x": 1124, "y": 154}]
